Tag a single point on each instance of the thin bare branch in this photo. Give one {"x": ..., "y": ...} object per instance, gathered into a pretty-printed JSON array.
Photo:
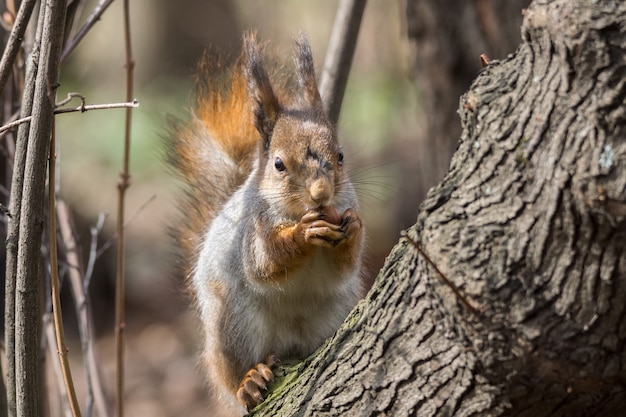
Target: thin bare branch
[
  {"x": 15, "y": 40},
  {"x": 339, "y": 55},
  {"x": 123, "y": 185},
  {"x": 96, "y": 392},
  {"x": 91, "y": 21},
  {"x": 50, "y": 344},
  {"x": 137, "y": 212},
  {"x": 70, "y": 97},
  {"x": 54, "y": 284},
  {"x": 93, "y": 251},
  {"x": 82, "y": 108}
]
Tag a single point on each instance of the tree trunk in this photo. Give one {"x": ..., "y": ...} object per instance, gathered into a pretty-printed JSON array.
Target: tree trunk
[{"x": 529, "y": 225}]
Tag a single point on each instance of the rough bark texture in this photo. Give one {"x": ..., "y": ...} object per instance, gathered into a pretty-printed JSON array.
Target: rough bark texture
[
  {"x": 15, "y": 207},
  {"x": 529, "y": 224},
  {"x": 27, "y": 315}
]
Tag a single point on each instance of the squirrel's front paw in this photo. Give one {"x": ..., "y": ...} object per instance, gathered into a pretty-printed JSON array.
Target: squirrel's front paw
[
  {"x": 319, "y": 232},
  {"x": 256, "y": 379},
  {"x": 351, "y": 223}
]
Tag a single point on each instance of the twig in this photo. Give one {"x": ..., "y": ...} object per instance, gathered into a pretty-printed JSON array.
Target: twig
[
  {"x": 15, "y": 40},
  {"x": 484, "y": 60},
  {"x": 93, "y": 251},
  {"x": 106, "y": 245},
  {"x": 11, "y": 119},
  {"x": 54, "y": 282},
  {"x": 50, "y": 345},
  {"x": 83, "y": 314},
  {"x": 70, "y": 97},
  {"x": 122, "y": 187},
  {"x": 91, "y": 20},
  {"x": 443, "y": 278},
  {"x": 74, "y": 8},
  {"x": 82, "y": 108},
  {"x": 339, "y": 55}
]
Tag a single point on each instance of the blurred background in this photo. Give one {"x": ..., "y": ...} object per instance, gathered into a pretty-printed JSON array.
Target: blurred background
[{"x": 398, "y": 127}]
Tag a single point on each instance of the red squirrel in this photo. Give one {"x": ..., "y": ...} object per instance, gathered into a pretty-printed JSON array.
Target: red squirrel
[{"x": 271, "y": 231}]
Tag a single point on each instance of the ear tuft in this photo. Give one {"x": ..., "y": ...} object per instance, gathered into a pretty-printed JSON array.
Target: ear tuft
[
  {"x": 265, "y": 106},
  {"x": 306, "y": 72}
]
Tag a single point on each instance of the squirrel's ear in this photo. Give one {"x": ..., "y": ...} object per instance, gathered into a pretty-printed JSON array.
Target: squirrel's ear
[
  {"x": 265, "y": 105},
  {"x": 306, "y": 72}
]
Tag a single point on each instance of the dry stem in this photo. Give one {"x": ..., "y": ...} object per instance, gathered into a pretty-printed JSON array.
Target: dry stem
[
  {"x": 122, "y": 186},
  {"x": 339, "y": 55},
  {"x": 91, "y": 20},
  {"x": 15, "y": 41},
  {"x": 48, "y": 334},
  {"x": 54, "y": 283},
  {"x": 96, "y": 394},
  {"x": 82, "y": 108}
]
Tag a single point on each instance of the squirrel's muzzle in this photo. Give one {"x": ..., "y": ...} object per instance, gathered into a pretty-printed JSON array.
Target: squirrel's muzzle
[{"x": 320, "y": 192}]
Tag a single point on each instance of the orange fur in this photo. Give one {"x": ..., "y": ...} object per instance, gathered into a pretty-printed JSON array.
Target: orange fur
[
  {"x": 286, "y": 244},
  {"x": 223, "y": 116},
  {"x": 226, "y": 113}
]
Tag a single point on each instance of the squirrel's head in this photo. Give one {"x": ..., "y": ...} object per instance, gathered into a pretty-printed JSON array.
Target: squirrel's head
[{"x": 303, "y": 162}]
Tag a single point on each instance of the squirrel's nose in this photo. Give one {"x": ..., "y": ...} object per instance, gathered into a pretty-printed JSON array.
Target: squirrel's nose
[{"x": 320, "y": 192}]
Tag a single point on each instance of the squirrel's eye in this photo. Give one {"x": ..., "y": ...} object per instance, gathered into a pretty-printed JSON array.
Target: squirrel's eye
[
  {"x": 340, "y": 157},
  {"x": 278, "y": 164}
]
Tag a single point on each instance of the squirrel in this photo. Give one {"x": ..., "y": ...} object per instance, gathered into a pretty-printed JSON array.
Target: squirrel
[{"x": 271, "y": 232}]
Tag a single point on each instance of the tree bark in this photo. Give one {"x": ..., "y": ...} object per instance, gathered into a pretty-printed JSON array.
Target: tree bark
[
  {"x": 15, "y": 208},
  {"x": 30, "y": 228},
  {"x": 529, "y": 225}
]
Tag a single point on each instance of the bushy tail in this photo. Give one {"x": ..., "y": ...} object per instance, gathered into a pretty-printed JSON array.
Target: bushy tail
[{"x": 213, "y": 152}]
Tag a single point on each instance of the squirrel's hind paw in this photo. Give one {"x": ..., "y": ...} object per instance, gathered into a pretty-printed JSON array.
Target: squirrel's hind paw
[{"x": 256, "y": 379}]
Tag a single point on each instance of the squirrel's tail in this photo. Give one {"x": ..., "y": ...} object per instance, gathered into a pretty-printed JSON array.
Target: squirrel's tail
[{"x": 213, "y": 152}]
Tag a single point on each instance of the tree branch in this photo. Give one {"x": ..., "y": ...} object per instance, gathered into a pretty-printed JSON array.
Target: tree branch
[
  {"x": 122, "y": 187},
  {"x": 95, "y": 388},
  {"x": 15, "y": 41},
  {"x": 48, "y": 334},
  {"x": 93, "y": 251},
  {"x": 339, "y": 55},
  {"x": 91, "y": 21},
  {"x": 82, "y": 108},
  {"x": 17, "y": 183},
  {"x": 31, "y": 217},
  {"x": 54, "y": 283}
]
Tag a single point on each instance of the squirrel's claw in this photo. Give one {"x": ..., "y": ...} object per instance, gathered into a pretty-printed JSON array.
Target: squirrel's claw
[
  {"x": 351, "y": 223},
  {"x": 256, "y": 379},
  {"x": 312, "y": 216},
  {"x": 319, "y": 232},
  {"x": 324, "y": 234}
]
